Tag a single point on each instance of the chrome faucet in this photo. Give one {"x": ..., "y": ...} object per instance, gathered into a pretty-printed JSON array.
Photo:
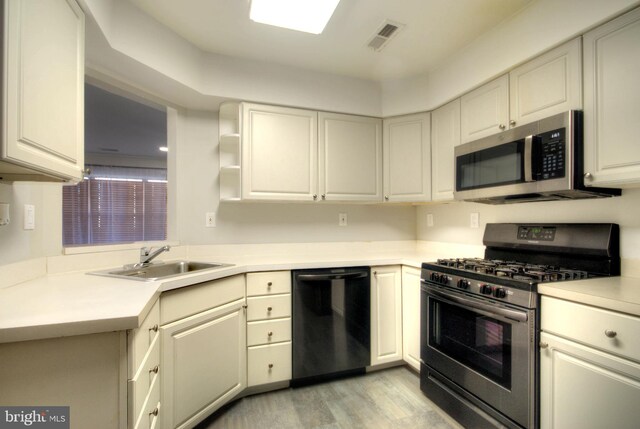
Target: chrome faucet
[{"x": 146, "y": 255}]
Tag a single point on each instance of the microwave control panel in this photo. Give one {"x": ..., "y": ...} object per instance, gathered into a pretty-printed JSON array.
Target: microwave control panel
[{"x": 552, "y": 154}]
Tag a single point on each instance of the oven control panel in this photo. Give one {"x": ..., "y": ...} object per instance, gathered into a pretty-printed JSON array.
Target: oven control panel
[{"x": 487, "y": 289}]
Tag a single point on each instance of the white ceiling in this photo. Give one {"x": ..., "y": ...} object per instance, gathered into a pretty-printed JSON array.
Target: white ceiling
[{"x": 435, "y": 29}]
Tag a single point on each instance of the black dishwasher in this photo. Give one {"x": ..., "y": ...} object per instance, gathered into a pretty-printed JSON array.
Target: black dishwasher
[{"x": 331, "y": 323}]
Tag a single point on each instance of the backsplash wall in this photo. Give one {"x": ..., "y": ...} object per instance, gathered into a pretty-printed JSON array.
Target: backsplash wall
[{"x": 451, "y": 221}]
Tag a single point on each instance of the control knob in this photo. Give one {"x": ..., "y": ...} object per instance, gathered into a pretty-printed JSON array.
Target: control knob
[
  {"x": 444, "y": 279},
  {"x": 463, "y": 284},
  {"x": 486, "y": 289},
  {"x": 499, "y": 292}
]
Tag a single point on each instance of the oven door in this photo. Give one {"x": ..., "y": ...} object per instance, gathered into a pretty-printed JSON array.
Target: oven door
[{"x": 483, "y": 346}]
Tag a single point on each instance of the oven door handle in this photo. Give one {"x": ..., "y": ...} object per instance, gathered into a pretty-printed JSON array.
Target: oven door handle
[
  {"x": 332, "y": 276},
  {"x": 518, "y": 316}
]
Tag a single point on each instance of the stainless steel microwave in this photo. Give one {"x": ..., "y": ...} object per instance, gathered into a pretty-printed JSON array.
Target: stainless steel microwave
[{"x": 541, "y": 161}]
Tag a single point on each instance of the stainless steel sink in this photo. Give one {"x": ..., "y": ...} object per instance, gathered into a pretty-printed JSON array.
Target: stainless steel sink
[{"x": 160, "y": 271}]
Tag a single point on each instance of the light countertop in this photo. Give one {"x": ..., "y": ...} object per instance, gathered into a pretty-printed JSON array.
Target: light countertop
[
  {"x": 620, "y": 294},
  {"x": 79, "y": 303}
]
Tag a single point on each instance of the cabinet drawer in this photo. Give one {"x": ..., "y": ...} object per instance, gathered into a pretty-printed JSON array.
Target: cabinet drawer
[
  {"x": 268, "y": 364},
  {"x": 180, "y": 303},
  {"x": 140, "y": 385},
  {"x": 272, "y": 282},
  {"x": 150, "y": 411},
  {"x": 589, "y": 324},
  {"x": 140, "y": 339},
  {"x": 268, "y": 307},
  {"x": 268, "y": 331}
]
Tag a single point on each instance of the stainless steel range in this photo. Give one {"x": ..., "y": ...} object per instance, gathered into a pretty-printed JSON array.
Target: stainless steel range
[{"x": 479, "y": 317}]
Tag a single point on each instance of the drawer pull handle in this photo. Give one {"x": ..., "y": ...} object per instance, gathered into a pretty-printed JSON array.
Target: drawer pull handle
[
  {"x": 611, "y": 334},
  {"x": 154, "y": 328},
  {"x": 269, "y": 285},
  {"x": 270, "y": 366},
  {"x": 269, "y": 309},
  {"x": 270, "y": 334},
  {"x": 543, "y": 345},
  {"x": 154, "y": 412},
  {"x": 155, "y": 369}
]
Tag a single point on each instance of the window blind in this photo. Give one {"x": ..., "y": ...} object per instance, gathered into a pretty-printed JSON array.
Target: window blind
[{"x": 110, "y": 210}]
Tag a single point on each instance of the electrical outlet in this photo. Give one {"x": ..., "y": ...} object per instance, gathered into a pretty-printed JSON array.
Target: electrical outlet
[
  {"x": 342, "y": 219},
  {"x": 29, "y": 216},
  {"x": 474, "y": 220},
  {"x": 210, "y": 219},
  {"x": 429, "y": 220}
]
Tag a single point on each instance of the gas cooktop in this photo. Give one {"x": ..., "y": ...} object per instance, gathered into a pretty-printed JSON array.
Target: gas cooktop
[{"x": 515, "y": 270}]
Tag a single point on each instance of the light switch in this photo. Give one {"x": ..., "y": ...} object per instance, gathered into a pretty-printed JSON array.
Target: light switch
[
  {"x": 210, "y": 219},
  {"x": 342, "y": 219},
  {"x": 29, "y": 216}
]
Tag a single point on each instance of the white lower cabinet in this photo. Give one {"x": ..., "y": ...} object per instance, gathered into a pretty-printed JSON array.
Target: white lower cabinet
[
  {"x": 589, "y": 367},
  {"x": 203, "y": 355},
  {"x": 411, "y": 316},
  {"x": 268, "y": 327},
  {"x": 386, "y": 314}
]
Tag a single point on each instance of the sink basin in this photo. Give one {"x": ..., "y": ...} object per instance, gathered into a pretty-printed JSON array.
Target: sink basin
[{"x": 159, "y": 271}]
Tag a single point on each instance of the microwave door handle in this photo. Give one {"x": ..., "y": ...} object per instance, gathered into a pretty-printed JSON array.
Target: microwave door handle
[{"x": 528, "y": 158}]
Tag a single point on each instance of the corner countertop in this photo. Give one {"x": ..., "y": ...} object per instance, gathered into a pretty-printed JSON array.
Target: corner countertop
[
  {"x": 621, "y": 294},
  {"x": 79, "y": 303}
]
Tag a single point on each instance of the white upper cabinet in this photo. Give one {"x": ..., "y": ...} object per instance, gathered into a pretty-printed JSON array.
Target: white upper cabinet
[
  {"x": 407, "y": 158},
  {"x": 445, "y": 135},
  {"x": 350, "y": 157},
  {"x": 485, "y": 111},
  {"x": 546, "y": 85},
  {"x": 279, "y": 153},
  {"x": 612, "y": 102},
  {"x": 43, "y": 90}
]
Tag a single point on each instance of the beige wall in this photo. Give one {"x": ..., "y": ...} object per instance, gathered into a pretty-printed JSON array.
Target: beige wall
[{"x": 451, "y": 221}]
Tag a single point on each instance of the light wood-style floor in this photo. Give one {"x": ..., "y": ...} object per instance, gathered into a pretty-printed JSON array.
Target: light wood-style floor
[{"x": 384, "y": 399}]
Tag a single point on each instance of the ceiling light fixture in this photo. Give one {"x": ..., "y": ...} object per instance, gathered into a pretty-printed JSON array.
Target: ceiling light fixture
[
  {"x": 310, "y": 16},
  {"x": 163, "y": 149}
]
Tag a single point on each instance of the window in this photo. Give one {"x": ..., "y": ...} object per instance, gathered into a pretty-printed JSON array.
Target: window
[{"x": 124, "y": 198}]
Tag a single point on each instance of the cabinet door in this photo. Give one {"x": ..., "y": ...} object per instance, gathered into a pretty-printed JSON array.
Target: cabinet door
[
  {"x": 485, "y": 111},
  {"x": 204, "y": 363},
  {"x": 411, "y": 316},
  {"x": 407, "y": 158},
  {"x": 581, "y": 387},
  {"x": 549, "y": 84},
  {"x": 612, "y": 102},
  {"x": 445, "y": 135},
  {"x": 386, "y": 314},
  {"x": 350, "y": 157},
  {"x": 44, "y": 87},
  {"x": 279, "y": 153}
]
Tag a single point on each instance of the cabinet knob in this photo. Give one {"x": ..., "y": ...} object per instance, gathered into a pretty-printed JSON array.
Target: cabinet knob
[
  {"x": 155, "y": 369},
  {"x": 315, "y": 196},
  {"x": 386, "y": 197},
  {"x": 324, "y": 196},
  {"x": 270, "y": 366},
  {"x": 269, "y": 285},
  {"x": 86, "y": 171},
  {"x": 154, "y": 328},
  {"x": 588, "y": 176},
  {"x": 543, "y": 345},
  {"x": 269, "y": 309},
  {"x": 611, "y": 334},
  {"x": 270, "y": 334},
  {"x": 512, "y": 123},
  {"x": 502, "y": 126},
  {"x": 154, "y": 412}
]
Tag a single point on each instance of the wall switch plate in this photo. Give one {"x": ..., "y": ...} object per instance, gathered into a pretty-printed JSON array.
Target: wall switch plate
[
  {"x": 342, "y": 219},
  {"x": 474, "y": 220},
  {"x": 29, "y": 217},
  {"x": 429, "y": 220},
  {"x": 210, "y": 219}
]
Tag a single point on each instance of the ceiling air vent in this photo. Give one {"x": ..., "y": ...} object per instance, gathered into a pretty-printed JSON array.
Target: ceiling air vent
[{"x": 385, "y": 33}]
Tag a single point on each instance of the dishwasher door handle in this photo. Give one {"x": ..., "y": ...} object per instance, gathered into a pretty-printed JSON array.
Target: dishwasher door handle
[{"x": 333, "y": 276}]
